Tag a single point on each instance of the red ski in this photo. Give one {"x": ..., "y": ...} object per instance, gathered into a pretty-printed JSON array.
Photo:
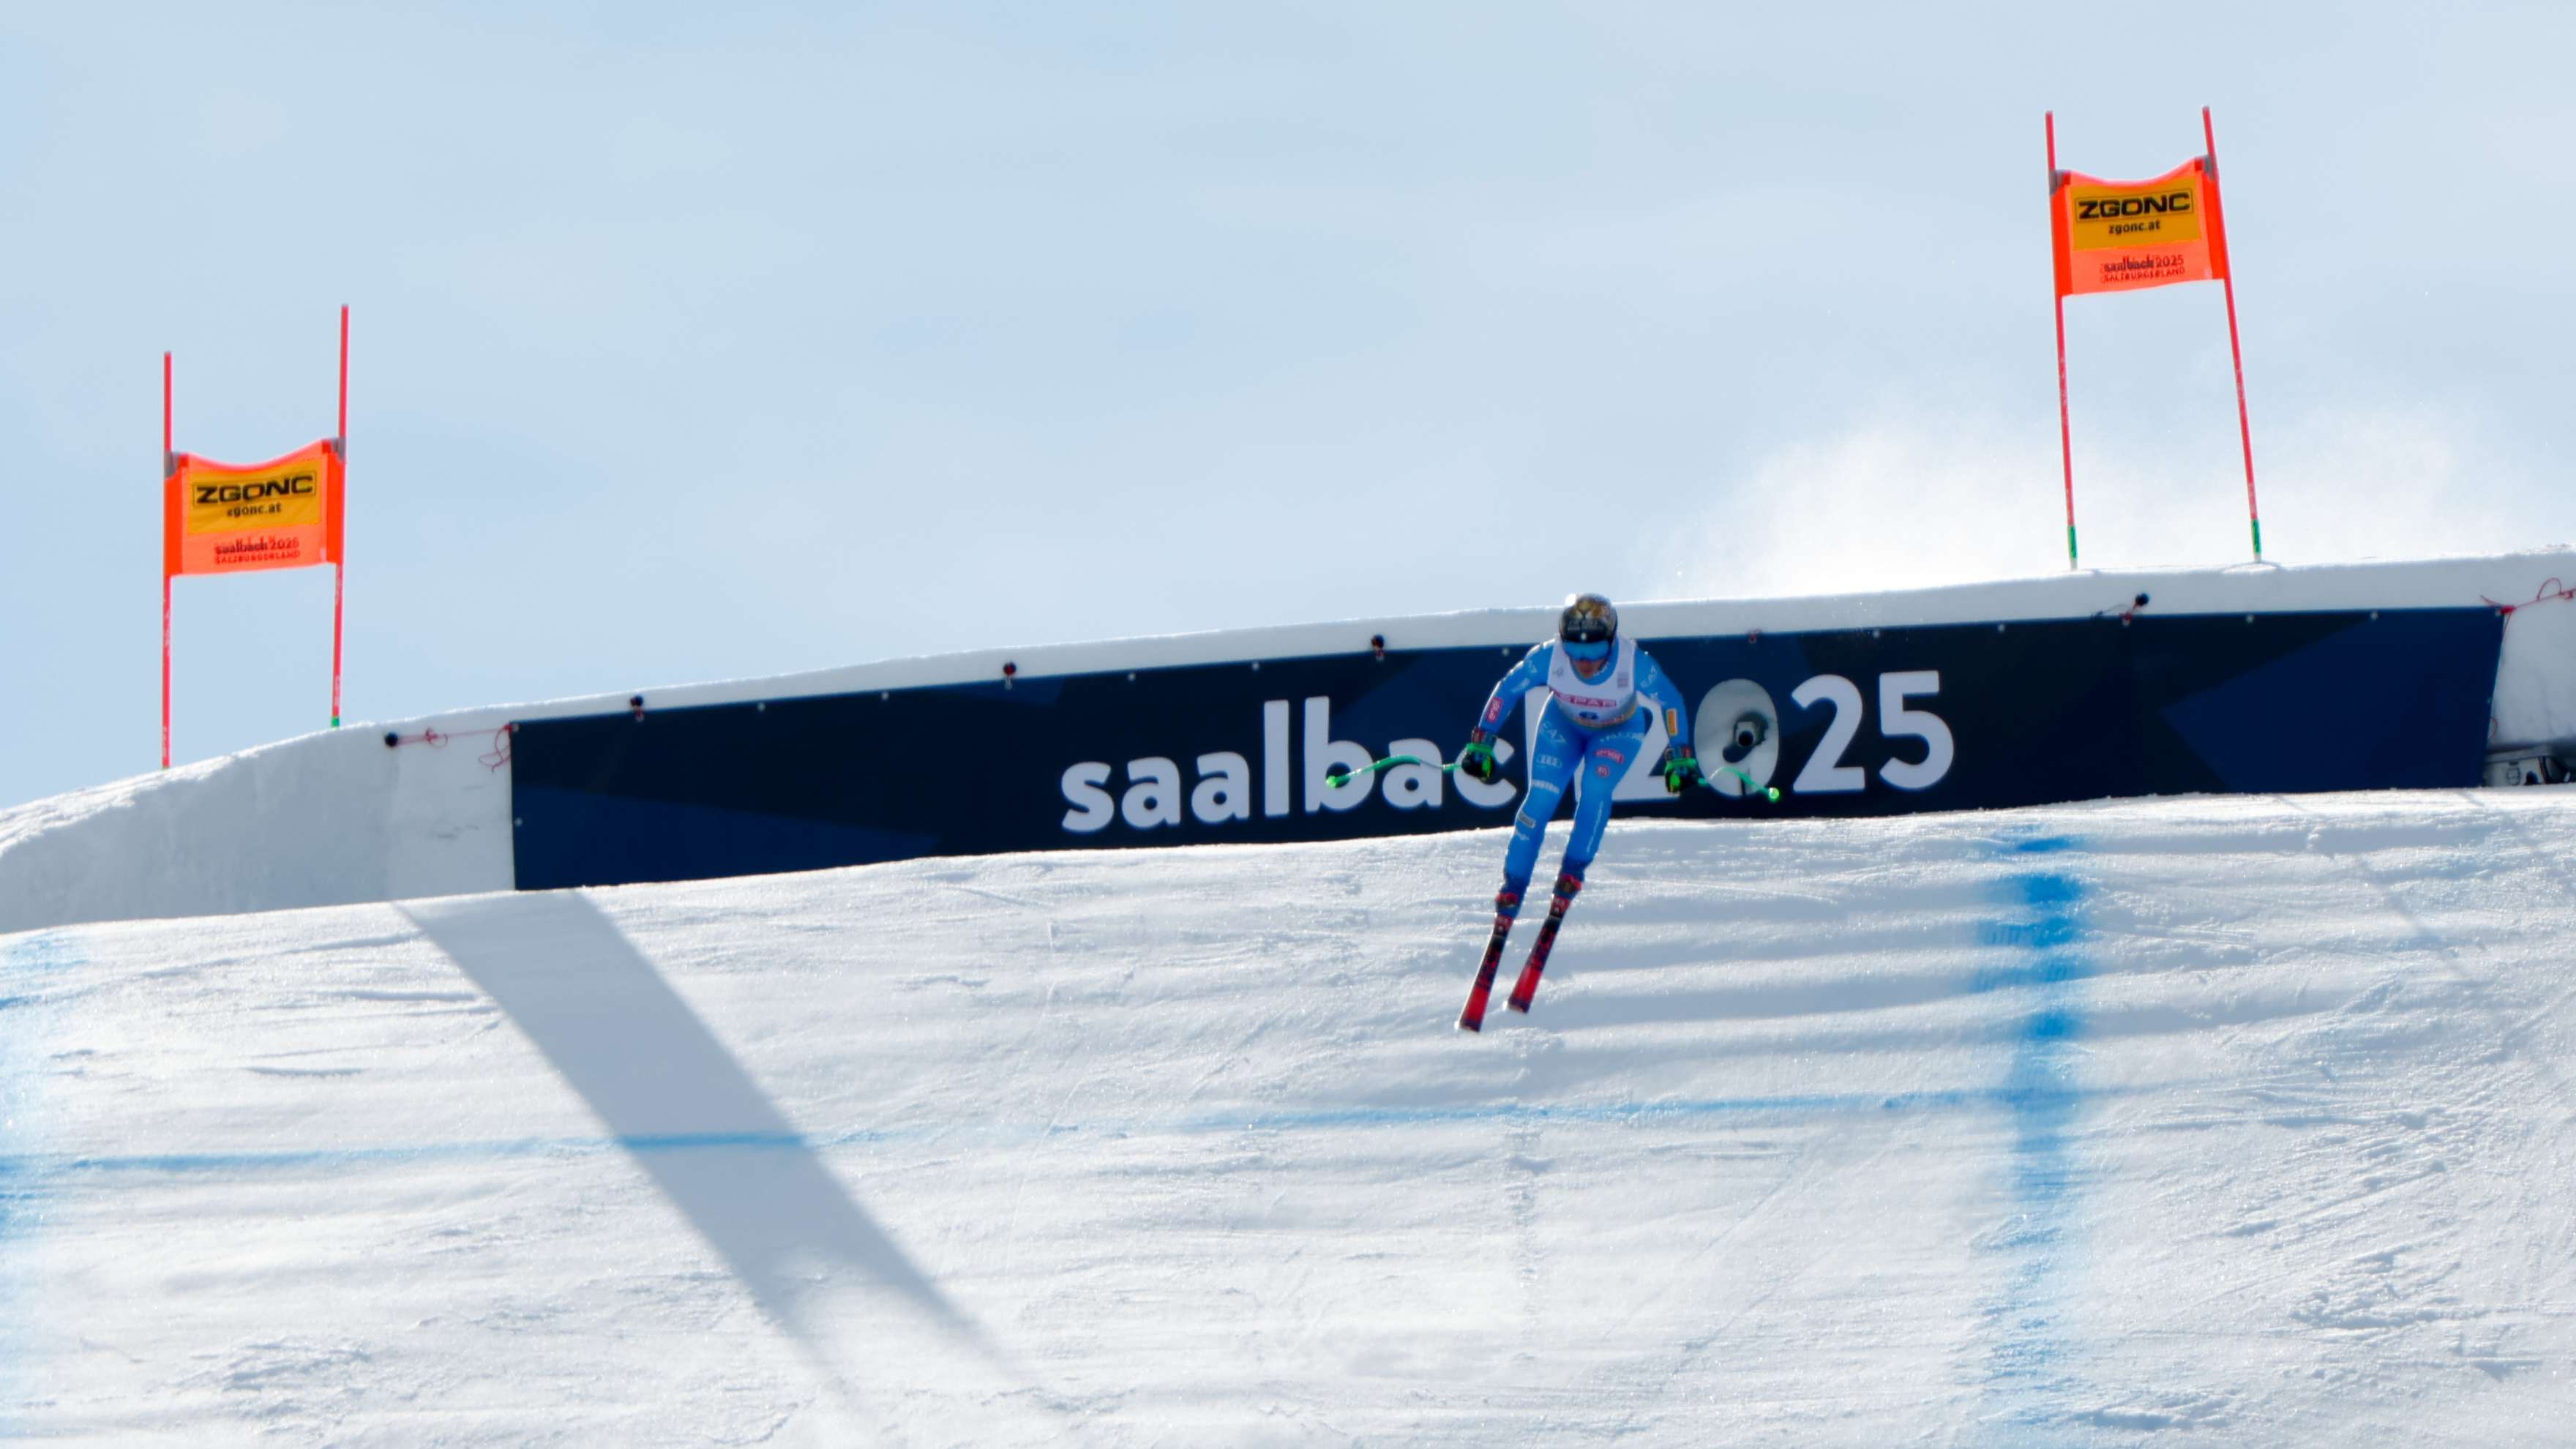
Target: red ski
[
  {"x": 1522, "y": 990},
  {"x": 1507, "y": 904}
]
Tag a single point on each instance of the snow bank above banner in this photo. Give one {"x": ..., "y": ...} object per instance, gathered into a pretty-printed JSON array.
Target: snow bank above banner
[{"x": 342, "y": 818}]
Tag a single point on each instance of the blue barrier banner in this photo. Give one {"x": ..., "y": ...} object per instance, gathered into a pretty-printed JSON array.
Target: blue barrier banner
[{"x": 1849, "y": 722}]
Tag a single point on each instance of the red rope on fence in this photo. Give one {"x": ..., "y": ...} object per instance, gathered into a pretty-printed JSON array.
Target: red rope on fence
[
  {"x": 492, "y": 759},
  {"x": 2554, "y": 589}
]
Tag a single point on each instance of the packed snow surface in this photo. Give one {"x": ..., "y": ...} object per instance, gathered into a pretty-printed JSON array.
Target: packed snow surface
[{"x": 2242, "y": 1121}]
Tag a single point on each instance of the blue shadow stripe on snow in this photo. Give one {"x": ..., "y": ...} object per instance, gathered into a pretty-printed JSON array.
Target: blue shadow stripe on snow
[
  {"x": 2031, "y": 1362},
  {"x": 26, "y": 965},
  {"x": 2010, "y": 1097},
  {"x": 290, "y": 1159}
]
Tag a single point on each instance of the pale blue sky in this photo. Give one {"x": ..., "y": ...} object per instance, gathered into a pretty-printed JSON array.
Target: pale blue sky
[{"x": 695, "y": 342}]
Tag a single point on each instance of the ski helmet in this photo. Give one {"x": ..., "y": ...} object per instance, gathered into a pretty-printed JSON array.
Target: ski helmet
[{"x": 1588, "y": 618}]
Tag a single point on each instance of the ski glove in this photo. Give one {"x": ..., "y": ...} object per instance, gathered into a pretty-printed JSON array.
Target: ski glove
[
  {"x": 1681, "y": 769},
  {"x": 1477, "y": 760}
]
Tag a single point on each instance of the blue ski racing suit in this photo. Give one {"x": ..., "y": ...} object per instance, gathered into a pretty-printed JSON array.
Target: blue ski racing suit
[{"x": 1596, "y": 725}]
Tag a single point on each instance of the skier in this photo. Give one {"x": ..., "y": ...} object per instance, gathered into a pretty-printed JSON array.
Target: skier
[{"x": 1597, "y": 683}]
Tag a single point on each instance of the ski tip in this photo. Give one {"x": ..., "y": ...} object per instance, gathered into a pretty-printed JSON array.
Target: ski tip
[
  {"x": 1465, "y": 1025},
  {"x": 1517, "y": 1004}
]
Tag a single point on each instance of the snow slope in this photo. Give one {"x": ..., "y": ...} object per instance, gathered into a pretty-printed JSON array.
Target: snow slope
[{"x": 2236, "y": 1121}]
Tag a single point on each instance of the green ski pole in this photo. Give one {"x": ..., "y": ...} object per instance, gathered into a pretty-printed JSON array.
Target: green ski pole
[
  {"x": 1767, "y": 792},
  {"x": 1336, "y": 779}
]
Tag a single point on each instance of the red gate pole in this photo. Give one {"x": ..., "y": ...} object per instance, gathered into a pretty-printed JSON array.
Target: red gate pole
[
  {"x": 165, "y": 563},
  {"x": 2244, "y": 428},
  {"x": 339, "y": 565},
  {"x": 2065, "y": 432}
]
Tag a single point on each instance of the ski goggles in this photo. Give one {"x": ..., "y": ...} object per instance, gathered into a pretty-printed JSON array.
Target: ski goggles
[{"x": 1586, "y": 650}]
